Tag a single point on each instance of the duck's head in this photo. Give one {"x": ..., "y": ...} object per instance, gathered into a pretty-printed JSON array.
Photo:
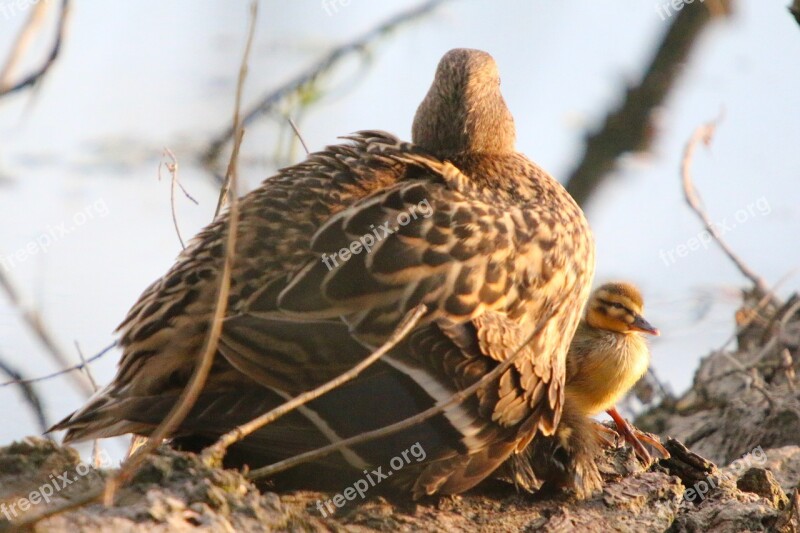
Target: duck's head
[
  {"x": 464, "y": 110},
  {"x": 618, "y": 307}
]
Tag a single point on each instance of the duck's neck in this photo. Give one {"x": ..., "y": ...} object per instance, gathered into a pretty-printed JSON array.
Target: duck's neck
[{"x": 459, "y": 120}]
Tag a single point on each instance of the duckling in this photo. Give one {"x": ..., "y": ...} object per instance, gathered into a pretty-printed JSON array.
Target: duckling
[
  {"x": 331, "y": 254},
  {"x": 608, "y": 355},
  {"x": 606, "y": 358}
]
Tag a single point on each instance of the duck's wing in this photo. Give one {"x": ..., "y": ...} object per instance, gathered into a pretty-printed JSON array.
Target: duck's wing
[
  {"x": 164, "y": 332},
  {"x": 490, "y": 271},
  {"x": 488, "y": 275}
]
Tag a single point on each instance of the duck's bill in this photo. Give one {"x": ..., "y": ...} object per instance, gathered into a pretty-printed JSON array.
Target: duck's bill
[{"x": 640, "y": 324}]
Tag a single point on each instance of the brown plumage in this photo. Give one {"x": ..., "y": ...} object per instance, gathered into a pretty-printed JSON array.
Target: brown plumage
[{"x": 459, "y": 220}]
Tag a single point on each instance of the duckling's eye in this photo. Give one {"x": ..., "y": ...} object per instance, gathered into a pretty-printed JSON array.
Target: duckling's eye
[{"x": 615, "y": 305}]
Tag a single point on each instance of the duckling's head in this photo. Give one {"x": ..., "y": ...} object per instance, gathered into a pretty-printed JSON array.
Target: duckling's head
[
  {"x": 464, "y": 110},
  {"x": 618, "y": 307}
]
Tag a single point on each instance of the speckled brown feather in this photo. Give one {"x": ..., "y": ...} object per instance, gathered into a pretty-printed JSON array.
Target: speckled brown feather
[{"x": 504, "y": 245}]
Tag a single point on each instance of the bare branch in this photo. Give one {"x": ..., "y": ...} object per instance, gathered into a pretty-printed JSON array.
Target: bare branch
[
  {"x": 271, "y": 99},
  {"x": 96, "y": 460},
  {"x": 297, "y": 132},
  {"x": 61, "y": 372},
  {"x": 765, "y": 300},
  {"x": 38, "y": 74},
  {"x": 194, "y": 387},
  {"x": 22, "y": 43},
  {"x": 238, "y": 125},
  {"x": 172, "y": 168},
  {"x": 629, "y": 128},
  {"x": 29, "y": 393},
  {"x": 86, "y": 369},
  {"x": 704, "y": 134},
  {"x": 34, "y": 322}
]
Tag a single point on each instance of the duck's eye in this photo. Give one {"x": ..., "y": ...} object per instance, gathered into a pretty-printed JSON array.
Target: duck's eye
[{"x": 617, "y": 305}]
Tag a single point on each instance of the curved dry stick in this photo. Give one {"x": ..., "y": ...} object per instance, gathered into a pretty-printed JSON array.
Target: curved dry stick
[
  {"x": 172, "y": 168},
  {"x": 22, "y": 43},
  {"x": 34, "y": 322},
  {"x": 757, "y": 360},
  {"x": 297, "y": 132},
  {"x": 704, "y": 134},
  {"x": 216, "y": 451},
  {"x": 37, "y": 75},
  {"x": 762, "y": 304},
  {"x": 458, "y": 397},
  {"x": 194, "y": 387},
  {"x": 80, "y": 366},
  {"x": 225, "y": 194},
  {"x": 28, "y": 392}
]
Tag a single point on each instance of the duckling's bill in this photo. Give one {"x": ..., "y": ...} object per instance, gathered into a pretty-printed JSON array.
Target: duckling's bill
[{"x": 640, "y": 324}]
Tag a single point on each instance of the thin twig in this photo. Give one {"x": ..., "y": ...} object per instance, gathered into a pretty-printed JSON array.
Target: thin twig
[
  {"x": 408, "y": 422},
  {"x": 22, "y": 43},
  {"x": 194, "y": 387},
  {"x": 630, "y": 128},
  {"x": 773, "y": 341},
  {"x": 704, "y": 134},
  {"x": 34, "y": 322},
  {"x": 751, "y": 371},
  {"x": 217, "y": 451},
  {"x": 39, "y": 73},
  {"x": 86, "y": 369},
  {"x": 96, "y": 461},
  {"x": 787, "y": 364},
  {"x": 271, "y": 99},
  {"x": 297, "y": 132},
  {"x": 61, "y": 372},
  {"x": 762, "y": 303},
  {"x": 172, "y": 168},
  {"x": 238, "y": 124},
  {"x": 197, "y": 380},
  {"x": 29, "y": 393},
  {"x": 765, "y": 300}
]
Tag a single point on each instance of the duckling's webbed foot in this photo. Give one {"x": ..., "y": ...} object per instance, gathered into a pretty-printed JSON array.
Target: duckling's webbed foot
[
  {"x": 637, "y": 439},
  {"x": 606, "y": 437}
]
